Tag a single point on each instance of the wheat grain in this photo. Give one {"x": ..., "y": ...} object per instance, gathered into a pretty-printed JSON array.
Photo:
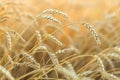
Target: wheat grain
[
  {"x": 109, "y": 61},
  {"x": 9, "y": 41},
  {"x": 53, "y": 58},
  {"x": 26, "y": 64},
  {"x": 54, "y": 11},
  {"x": 85, "y": 73},
  {"x": 40, "y": 49},
  {"x": 113, "y": 56},
  {"x": 93, "y": 32},
  {"x": 100, "y": 63},
  {"x": 68, "y": 50},
  {"x": 39, "y": 37},
  {"x": 70, "y": 67},
  {"x": 68, "y": 74},
  {"x": 29, "y": 57},
  {"x": 54, "y": 40},
  {"x": 109, "y": 76},
  {"x": 51, "y": 18}
]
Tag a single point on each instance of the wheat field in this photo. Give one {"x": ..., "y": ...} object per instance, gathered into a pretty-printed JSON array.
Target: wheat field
[{"x": 59, "y": 39}]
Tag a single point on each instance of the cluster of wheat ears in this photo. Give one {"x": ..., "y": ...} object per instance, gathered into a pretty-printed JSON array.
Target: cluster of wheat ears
[{"x": 47, "y": 45}]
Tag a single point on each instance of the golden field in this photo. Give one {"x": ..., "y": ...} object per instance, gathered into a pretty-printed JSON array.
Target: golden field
[{"x": 59, "y": 40}]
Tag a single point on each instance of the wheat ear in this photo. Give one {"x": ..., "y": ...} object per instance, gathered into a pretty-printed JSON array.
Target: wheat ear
[
  {"x": 100, "y": 63},
  {"x": 9, "y": 41},
  {"x": 40, "y": 48},
  {"x": 109, "y": 76},
  {"x": 54, "y": 40},
  {"x": 93, "y": 32},
  {"x": 68, "y": 74},
  {"x": 10, "y": 59},
  {"x": 39, "y": 37},
  {"x": 67, "y": 50},
  {"x": 30, "y": 58},
  {"x": 54, "y": 58},
  {"x": 51, "y": 18},
  {"x": 26, "y": 64},
  {"x": 113, "y": 56},
  {"x": 70, "y": 68},
  {"x": 54, "y": 11}
]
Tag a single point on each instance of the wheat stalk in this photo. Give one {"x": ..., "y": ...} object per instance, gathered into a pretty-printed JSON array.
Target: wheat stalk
[
  {"x": 6, "y": 73},
  {"x": 70, "y": 68},
  {"x": 17, "y": 35}
]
